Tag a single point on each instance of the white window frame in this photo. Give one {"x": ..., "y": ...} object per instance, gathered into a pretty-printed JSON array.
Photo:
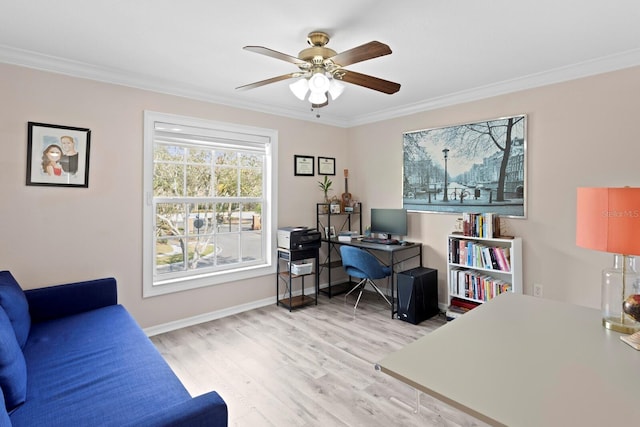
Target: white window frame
[{"x": 153, "y": 285}]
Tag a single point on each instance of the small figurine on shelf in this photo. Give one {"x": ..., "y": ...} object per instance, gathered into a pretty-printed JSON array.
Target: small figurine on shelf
[{"x": 335, "y": 205}]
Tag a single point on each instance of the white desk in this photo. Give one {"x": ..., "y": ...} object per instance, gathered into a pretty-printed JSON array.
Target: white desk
[{"x": 524, "y": 361}]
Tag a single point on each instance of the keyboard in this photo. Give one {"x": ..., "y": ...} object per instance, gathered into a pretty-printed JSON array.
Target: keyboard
[{"x": 380, "y": 241}]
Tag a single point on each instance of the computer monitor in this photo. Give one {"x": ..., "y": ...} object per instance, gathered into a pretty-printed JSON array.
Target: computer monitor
[{"x": 389, "y": 221}]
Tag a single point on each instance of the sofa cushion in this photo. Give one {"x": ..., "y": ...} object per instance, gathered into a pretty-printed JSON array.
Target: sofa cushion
[
  {"x": 95, "y": 368},
  {"x": 14, "y": 302},
  {"x": 13, "y": 371},
  {"x": 4, "y": 416}
]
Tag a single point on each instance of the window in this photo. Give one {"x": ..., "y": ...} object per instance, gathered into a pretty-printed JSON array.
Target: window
[{"x": 209, "y": 202}]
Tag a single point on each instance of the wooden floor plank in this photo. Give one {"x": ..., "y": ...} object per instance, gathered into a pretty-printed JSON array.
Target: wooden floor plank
[{"x": 310, "y": 367}]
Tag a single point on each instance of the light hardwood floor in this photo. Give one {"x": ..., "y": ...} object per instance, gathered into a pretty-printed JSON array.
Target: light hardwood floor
[{"x": 311, "y": 367}]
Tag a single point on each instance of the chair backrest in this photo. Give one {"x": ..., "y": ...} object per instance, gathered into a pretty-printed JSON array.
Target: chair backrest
[{"x": 358, "y": 259}]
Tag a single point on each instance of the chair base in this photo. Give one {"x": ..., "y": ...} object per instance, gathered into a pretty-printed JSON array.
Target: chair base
[{"x": 361, "y": 285}]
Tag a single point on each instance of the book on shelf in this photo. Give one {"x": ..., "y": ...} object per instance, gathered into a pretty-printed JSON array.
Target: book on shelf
[
  {"x": 502, "y": 257},
  {"x": 347, "y": 236},
  {"x": 472, "y": 254},
  {"x": 493, "y": 261},
  {"x": 458, "y": 307},
  {"x": 463, "y": 303},
  {"x": 475, "y": 285},
  {"x": 486, "y": 225}
]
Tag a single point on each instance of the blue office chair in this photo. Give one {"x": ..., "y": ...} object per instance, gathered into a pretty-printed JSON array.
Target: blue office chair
[{"x": 363, "y": 265}]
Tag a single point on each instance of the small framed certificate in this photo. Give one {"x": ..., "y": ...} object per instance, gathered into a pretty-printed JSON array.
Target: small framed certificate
[
  {"x": 303, "y": 165},
  {"x": 326, "y": 165}
]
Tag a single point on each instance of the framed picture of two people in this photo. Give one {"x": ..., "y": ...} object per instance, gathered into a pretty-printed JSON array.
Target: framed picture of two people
[{"x": 58, "y": 155}]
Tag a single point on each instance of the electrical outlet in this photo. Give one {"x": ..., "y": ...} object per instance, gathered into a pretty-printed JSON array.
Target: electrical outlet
[{"x": 537, "y": 290}]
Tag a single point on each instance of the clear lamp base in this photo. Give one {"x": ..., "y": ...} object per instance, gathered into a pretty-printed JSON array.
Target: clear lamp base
[
  {"x": 620, "y": 326},
  {"x": 618, "y": 283}
]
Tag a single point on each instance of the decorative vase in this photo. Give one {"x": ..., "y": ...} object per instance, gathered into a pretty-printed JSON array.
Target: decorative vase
[
  {"x": 618, "y": 283},
  {"x": 324, "y": 209}
]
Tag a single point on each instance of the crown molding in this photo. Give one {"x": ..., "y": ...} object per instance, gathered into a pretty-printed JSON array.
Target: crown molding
[
  {"x": 576, "y": 71},
  {"x": 58, "y": 65},
  {"x": 83, "y": 70}
]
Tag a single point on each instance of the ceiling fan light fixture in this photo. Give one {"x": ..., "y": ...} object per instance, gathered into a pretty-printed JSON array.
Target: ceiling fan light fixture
[
  {"x": 336, "y": 88},
  {"x": 300, "y": 88},
  {"x": 319, "y": 83},
  {"x": 317, "y": 98}
]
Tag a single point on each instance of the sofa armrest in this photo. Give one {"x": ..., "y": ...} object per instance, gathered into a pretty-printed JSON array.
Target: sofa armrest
[
  {"x": 72, "y": 298},
  {"x": 205, "y": 410}
]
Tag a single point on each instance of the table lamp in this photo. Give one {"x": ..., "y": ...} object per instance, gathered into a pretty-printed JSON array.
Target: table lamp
[{"x": 608, "y": 219}]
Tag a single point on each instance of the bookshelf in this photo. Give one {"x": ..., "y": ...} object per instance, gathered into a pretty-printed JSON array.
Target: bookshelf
[{"x": 480, "y": 268}]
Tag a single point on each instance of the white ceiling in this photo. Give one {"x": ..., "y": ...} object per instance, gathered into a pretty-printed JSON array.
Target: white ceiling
[{"x": 444, "y": 51}]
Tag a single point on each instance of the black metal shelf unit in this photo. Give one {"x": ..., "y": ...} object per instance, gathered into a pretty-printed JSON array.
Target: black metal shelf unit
[
  {"x": 340, "y": 221},
  {"x": 285, "y": 277}
]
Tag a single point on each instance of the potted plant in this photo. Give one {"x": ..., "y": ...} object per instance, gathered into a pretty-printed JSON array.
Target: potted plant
[{"x": 325, "y": 186}]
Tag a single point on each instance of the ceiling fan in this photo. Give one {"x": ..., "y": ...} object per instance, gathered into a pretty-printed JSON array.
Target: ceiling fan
[{"x": 321, "y": 69}]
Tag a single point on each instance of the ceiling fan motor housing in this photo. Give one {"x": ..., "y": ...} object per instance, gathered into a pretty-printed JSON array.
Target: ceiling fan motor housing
[
  {"x": 317, "y": 54},
  {"x": 317, "y": 38}
]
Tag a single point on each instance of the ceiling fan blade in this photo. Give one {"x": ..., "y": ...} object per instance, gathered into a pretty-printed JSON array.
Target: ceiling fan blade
[
  {"x": 369, "y": 82},
  {"x": 275, "y": 54},
  {"x": 369, "y": 50},
  {"x": 268, "y": 81}
]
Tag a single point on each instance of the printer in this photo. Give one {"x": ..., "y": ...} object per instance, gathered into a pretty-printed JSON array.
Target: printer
[{"x": 295, "y": 238}]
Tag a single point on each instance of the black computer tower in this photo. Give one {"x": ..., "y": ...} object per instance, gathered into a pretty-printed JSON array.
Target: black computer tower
[{"x": 417, "y": 294}]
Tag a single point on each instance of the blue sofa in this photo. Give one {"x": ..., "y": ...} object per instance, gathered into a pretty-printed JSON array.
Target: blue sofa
[{"x": 71, "y": 356}]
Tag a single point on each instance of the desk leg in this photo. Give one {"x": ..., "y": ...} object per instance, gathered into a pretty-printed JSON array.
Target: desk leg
[
  {"x": 317, "y": 266},
  {"x": 393, "y": 281},
  {"x": 415, "y": 409},
  {"x": 291, "y": 287}
]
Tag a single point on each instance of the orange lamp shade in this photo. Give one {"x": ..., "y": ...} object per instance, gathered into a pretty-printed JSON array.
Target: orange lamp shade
[{"x": 608, "y": 219}]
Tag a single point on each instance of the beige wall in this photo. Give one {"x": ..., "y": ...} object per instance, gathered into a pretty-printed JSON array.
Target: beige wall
[
  {"x": 580, "y": 133},
  {"x": 51, "y": 235}
]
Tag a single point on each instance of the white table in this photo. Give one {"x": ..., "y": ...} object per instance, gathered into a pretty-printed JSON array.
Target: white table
[{"x": 524, "y": 361}]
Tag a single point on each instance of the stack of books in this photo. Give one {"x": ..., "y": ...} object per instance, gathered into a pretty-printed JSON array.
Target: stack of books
[
  {"x": 485, "y": 225},
  {"x": 347, "y": 236},
  {"x": 473, "y": 254},
  {"x": 472, "y": 284},
  {"x": 458, "y": 307}
]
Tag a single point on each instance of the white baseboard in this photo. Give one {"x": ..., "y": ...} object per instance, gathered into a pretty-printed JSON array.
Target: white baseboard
[
  {"x": 213, "y": 315},
  {"x": 206, "y": 317},
  {"x": 218, "y": 314}
]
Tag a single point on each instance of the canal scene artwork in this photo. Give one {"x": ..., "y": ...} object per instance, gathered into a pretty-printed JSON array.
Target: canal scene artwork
[{"x": 474, "y": 167}]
